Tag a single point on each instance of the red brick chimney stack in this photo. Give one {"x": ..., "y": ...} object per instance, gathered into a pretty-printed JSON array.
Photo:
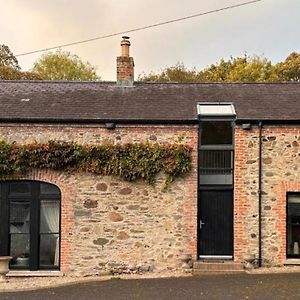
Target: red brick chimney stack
[{"x": 125, "y": 65}]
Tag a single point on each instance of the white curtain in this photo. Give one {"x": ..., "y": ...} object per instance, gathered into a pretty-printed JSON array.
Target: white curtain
[{"x": 50, "y": 223}]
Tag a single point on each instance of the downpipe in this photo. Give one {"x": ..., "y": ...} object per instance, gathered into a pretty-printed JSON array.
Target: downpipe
[{"x": 260, "y": 126}]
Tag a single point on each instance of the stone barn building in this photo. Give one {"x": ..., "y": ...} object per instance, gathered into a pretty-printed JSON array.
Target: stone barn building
[{"x": 239, "y": 202}]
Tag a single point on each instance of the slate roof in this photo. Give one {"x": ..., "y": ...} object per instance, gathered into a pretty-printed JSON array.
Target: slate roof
[{"x": 47, "y": 101}]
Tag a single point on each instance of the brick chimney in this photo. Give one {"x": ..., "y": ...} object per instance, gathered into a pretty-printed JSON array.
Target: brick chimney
[{"x": 125, "y": 65}]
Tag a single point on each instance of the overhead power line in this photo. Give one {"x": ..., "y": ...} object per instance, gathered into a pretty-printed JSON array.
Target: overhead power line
[{"x": 140, "y": 28}]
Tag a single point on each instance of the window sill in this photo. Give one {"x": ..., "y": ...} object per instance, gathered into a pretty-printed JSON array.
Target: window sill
[
  {"x": 23, "y": 273},
  {"x": 292, "y": 261}
]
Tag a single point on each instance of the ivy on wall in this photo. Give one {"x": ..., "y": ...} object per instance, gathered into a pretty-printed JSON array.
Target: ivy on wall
[{"x": 129, "y": 161}]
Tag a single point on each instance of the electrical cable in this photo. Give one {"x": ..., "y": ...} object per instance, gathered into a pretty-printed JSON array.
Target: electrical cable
[{"x": 139, "y": 28}]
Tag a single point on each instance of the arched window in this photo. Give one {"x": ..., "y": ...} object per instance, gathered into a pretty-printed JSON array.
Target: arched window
[{"x": 30, "y": 224}]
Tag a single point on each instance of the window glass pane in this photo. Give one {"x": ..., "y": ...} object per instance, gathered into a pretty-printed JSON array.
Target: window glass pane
[
  {"x": 19, "y": 188},
  {"x": 32, "y": 201},
  {"x": 207, "y": 179},
  {"x": 49, "y": 250},
  {"x": 216, "y": 159},
  {"x": 294, "y": 198},
  {"x": 47, "y": 188},
  {"x": 216, "y": 110},
  {"x": 19, "y": 249},
  {"x": 216, "y": 133},
  {"x": 293, "y": 235},
  {"x": 19, "y": 217},
  {"x": 49, "y": 216},
  {"x": 215, "y": 167}
]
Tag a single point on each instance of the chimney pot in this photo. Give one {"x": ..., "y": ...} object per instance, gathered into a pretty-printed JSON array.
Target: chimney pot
[{"x": 125, "y": 44}]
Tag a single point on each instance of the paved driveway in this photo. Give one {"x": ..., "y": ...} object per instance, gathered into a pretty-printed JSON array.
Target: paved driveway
[{"x": 276, "y": 286}]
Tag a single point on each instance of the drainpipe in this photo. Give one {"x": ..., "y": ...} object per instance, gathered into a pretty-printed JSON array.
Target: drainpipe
[{"x": 260, "y": 126}]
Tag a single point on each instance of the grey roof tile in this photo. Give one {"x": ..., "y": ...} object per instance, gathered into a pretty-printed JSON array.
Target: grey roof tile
[{"x": 145, "y": 101}]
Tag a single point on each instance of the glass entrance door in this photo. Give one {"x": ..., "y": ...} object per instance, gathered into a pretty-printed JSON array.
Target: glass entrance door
[
  {"x": 293, "y": 225},
  {"x": 18, "y": 197},
  {"x": 30, "y": 224}
]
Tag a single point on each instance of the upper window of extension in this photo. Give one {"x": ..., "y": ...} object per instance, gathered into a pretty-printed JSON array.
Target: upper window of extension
[
  {"x": 216, "y": 123},
  {"x": 216, "y": 133}
]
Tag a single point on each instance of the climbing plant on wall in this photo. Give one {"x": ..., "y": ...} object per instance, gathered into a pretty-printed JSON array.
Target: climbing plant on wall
[{"x": 129, "y": 161}]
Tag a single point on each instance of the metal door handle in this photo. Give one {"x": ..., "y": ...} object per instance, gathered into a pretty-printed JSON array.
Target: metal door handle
[{"x": 201, "y": 223}]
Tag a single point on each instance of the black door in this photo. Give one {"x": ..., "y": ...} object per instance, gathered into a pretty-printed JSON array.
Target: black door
[{"x": 215, "y": 223}]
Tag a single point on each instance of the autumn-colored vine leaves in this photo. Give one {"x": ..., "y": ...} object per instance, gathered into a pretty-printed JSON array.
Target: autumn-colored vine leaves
[{"x": 130, "y": 161}]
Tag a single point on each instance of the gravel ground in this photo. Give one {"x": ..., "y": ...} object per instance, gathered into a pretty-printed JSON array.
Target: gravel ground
[
  {"x": 13, "y": 284},
  {"x": 275, "y": 270},
  {"x": 223, "y": 287},
  {"x": 32, "y": 283}
]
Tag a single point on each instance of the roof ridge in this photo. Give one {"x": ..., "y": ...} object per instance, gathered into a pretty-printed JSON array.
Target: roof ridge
[
  {"x": 56, "y": 81},
  {"x": 218, "y": 83},
  {"x": 149, "y": 82}
]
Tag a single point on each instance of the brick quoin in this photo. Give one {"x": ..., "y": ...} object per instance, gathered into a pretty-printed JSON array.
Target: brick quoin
[
  {"x": 280, "y": 212},
  {"x": 240, "y": 201},
  {"x": 68, "y": 191}
]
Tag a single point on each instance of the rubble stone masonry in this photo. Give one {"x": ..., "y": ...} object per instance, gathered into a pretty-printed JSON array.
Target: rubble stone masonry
[
  {"x": 280, "y": 175},
  {"x": 109, "y": 225}
]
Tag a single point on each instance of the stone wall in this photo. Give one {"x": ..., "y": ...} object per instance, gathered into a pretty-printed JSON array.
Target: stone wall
[
  {"x": 280, "y": 174},
  {"x": 109, "y": 225}
]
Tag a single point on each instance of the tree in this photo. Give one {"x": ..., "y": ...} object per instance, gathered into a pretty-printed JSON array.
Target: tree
[
  {"x": 64, "y": 66},
  {"x": 289, "y": 70},
  {"x": 9, "y": 73},
  {"x": 239, "y": 69},
  {"x": 177, "y": 73},
  {"x": 7, "y": 59},
  {"x": 10, "y": 69}
]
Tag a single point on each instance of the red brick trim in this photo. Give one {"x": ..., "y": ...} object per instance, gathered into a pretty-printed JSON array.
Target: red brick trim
[
  {"x": 280, "y": 212},
  {"x": 191, "y": 205},
  {"x": 67, "y": 186},
  {"x": 240, "y": 203}
]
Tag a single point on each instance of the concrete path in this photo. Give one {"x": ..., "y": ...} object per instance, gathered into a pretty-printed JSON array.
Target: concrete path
[{"x": 243, "y": 286}]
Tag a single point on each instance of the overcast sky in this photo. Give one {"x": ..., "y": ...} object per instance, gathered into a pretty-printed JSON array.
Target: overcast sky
[{"x": 270, "y": 28}]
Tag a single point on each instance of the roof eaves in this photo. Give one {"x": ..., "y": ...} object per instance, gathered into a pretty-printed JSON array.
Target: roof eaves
[
  {"x": 98, "y": 121},
  {"x": 270, "y": 121}
]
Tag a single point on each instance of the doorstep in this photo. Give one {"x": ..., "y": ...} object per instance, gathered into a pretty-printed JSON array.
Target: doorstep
[
  {"x": 22, "y": 273},
  {"x": 201, "y": 267}
]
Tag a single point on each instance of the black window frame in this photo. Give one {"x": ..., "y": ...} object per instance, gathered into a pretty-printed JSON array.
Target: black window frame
[
  {"x": 288, "y": 255},
  {"x": 217, "y": 147},
  {"x": 35, "y": 199}
]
